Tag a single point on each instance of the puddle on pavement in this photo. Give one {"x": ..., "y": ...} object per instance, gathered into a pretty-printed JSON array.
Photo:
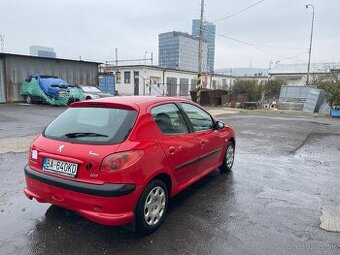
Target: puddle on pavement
[
  {"x": 18, "y": 213},
  {"x": 322, "y": 150}
]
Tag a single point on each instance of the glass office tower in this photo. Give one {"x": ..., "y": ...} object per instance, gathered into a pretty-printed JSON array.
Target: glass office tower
[
  {"x": 209, "y": 30},
  {"x": 178, "y": 50}
]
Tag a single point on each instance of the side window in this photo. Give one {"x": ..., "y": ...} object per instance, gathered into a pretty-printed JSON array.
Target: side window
[
  {"x": 200, "y": 119},
  {"x": 169, "y": 119}
]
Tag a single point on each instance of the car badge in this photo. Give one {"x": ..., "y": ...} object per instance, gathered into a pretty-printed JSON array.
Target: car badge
[
  {"x": 61, "y": 147},
  {"x": 93, "y": 153}
]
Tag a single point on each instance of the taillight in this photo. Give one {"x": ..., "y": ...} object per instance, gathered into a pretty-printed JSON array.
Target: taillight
[
  {"x": 120, "y": 160},
  {"x": 33, "y": 155}
]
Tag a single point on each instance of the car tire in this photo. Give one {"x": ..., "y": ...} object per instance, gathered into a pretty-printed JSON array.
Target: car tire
[
  {"x": 88, "y": 98},
  {"x": 151, "y": 208},
  {"x": 228, "y": 159},
  {"x": 28, "y": 99}
]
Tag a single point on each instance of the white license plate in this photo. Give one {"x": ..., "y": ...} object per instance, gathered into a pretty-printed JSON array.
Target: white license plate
[{"x": 60, "y": 167}]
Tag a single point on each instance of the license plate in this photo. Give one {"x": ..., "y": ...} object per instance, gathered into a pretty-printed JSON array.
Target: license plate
[{"x": 60, "y": 167}]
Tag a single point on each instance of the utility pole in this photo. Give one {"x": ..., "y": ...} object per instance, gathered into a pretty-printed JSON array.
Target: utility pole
[
  {"x": 2, "y": 39},
  {"x": 145, "y": 54},
  {"x": 310, "y": 43},
  {"x": 200, "y": 51}
]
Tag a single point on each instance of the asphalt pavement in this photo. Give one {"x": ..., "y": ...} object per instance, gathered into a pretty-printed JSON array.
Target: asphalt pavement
[{"x": 286, "y": 171}]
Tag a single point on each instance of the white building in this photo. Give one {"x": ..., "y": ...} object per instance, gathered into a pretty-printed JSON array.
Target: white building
[
  {"x": 296, "y": 74},
  {"x": 159, "y": 81}
]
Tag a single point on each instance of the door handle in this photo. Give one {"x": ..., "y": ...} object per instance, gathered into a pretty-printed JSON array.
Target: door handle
[{"x": 172, "y": 149}]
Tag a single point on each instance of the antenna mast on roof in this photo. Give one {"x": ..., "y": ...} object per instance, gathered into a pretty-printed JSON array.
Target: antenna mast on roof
[
  {"x": 116, "y": 54},
  {"x": 2, "y": 39}
]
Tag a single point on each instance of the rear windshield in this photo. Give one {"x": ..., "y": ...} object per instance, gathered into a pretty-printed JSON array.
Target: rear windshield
[{"x": 92, "y": 125}]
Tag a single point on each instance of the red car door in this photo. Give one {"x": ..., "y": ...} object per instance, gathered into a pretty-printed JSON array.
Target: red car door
[
  {"x": 211, "y": 141},
  {"x": 179, "y": 145}
]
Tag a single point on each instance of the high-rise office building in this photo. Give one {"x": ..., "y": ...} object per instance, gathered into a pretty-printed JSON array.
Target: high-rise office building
[
  {"x": 42, "y": 51},
  {"x": 209, "y": 30},
  {"x": 179, "y": 50}
]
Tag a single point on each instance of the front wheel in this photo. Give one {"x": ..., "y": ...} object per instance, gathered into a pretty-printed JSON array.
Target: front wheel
[
  {"x": 228, "y": 159},
  {"x": 152, "y": 207}
]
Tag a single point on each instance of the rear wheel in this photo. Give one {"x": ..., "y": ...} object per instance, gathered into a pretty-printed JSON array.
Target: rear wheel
[
  {"x": 152, "y": 207},
  {"x": 228, "y": 159},
  {"x": 28, "y": 99}
]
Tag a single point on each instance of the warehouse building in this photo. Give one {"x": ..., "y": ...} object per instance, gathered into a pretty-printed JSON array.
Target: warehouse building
[{"x": 14, "y": 69}]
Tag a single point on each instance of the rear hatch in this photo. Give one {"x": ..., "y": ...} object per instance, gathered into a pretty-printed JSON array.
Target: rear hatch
[{"x": 74, "y": 145}]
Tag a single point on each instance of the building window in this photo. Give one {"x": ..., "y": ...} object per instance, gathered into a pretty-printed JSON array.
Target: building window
[
  {"x": 171, "y": 83},
  {"x": 183, "y": 86},
  {"x": 127, "y": 77},
  {"x": 118, "y": 77}
]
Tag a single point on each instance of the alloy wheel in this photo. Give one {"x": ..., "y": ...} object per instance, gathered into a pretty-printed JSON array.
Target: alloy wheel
[{"x": 154, "y": 207}]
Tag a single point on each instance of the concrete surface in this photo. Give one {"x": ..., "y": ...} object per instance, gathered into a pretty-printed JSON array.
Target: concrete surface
[
  {"x": 330, "y": 218},
  {"x": 286, "y": 170}
]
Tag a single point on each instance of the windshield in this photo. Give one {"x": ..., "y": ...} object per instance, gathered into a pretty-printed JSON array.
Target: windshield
[
  {"x": 90, "y": 89},
  {"x": 92, "y": 125}
]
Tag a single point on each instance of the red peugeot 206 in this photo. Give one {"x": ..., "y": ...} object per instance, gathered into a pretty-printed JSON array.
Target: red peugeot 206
[{"x": 117, "y": 161}]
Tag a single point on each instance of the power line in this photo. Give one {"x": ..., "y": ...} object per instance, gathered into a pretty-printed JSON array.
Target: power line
[
  {"x": 254, "y": 45},
  {"x": 259, "y": 48},
  {"x": 239, "y": 11}
]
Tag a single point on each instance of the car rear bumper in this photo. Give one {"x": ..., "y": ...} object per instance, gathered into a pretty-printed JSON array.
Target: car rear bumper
[{"x": 108, "y": 204}]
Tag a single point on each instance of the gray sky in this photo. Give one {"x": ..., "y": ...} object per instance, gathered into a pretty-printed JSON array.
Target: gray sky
[{"x": 279, "y": 29}]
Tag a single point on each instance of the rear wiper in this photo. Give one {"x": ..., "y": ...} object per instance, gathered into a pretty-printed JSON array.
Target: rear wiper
[{"x": 83, "y": 134}]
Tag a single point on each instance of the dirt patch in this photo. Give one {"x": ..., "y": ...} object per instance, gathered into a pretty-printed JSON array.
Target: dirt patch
[{"x": 16, "y": 144}]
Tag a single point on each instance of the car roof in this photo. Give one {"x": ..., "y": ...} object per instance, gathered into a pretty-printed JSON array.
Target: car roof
[{"x": 128, "y": 102}]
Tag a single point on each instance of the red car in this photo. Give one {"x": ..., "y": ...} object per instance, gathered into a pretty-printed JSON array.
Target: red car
[{"x": 117, "y": 161}]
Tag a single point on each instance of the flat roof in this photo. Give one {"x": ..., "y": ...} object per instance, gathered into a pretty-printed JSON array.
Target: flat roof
[
  {"x": 179, "y": 33},
  {"x": 5, "y": 54},
  {"x": 315, "y": 68},
  {"x": 166, "y": 69}
]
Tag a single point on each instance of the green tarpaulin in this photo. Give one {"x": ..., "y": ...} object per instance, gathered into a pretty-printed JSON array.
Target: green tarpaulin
[{"x": 70, "y": 94}]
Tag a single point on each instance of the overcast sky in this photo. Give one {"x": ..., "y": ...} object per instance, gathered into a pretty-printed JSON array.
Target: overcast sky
[{"x": 279, "y": 29}]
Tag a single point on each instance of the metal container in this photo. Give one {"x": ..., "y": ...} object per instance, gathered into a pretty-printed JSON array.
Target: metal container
[{"x": 107, "y": 84}]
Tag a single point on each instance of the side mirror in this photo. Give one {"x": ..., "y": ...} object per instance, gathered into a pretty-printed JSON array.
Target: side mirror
[{"x": 219, "y": 124}]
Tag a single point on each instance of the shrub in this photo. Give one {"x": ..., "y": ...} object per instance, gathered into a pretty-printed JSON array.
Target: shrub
[{"x": 332, "y": 91}]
